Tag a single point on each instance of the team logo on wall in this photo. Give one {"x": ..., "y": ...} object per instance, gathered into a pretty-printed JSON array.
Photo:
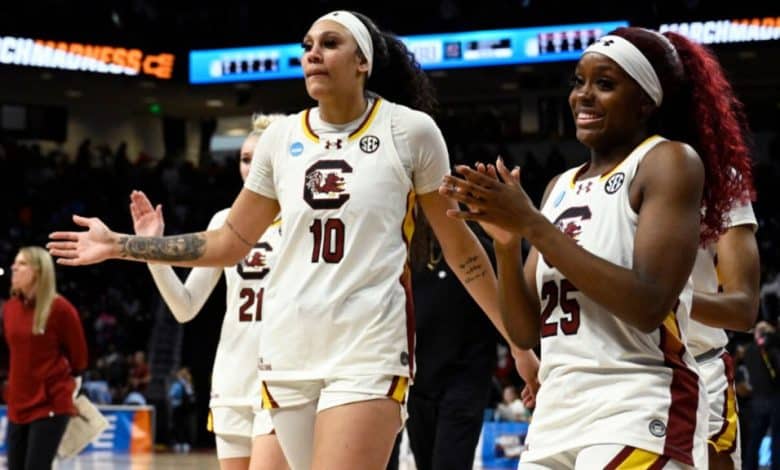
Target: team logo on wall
[
  {"x": 325, "y": 187},
  {"x": 369, "y": 143},
  {"x": 254, "y": 266},
  {"x": 614, "y": 183}
]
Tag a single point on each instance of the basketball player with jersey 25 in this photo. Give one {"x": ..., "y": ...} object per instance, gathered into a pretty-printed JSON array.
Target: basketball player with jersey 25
[{"x": 606, "y": 287}]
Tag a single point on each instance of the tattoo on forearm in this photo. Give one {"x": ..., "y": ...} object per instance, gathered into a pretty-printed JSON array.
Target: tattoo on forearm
[
  {"x": 173, "y": 248},
  {"x": 233, "y": 229},
  {"x": 472, "y": 269}
]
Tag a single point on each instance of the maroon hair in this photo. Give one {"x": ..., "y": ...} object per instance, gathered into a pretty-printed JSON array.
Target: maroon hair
[{"x": 700, "y": 109}]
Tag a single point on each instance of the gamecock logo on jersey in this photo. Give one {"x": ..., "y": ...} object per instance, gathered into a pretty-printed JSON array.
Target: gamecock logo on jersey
[
  {"x": 254, "y": 266},
  {"x": 570, "y": 221},
  {"x": 325, "y": 187}
]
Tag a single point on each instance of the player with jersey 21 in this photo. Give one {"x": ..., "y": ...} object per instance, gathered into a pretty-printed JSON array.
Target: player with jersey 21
[
  {"x": 243, "y": 430},
  {"x": 337, "y": 348},
  {"x": 606, "y": 287}
]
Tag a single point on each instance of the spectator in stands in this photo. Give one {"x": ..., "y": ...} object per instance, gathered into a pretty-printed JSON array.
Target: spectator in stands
[
  {"x": 96, "y": 388},
  {"x": 181, "y": 397},
  {"x": 511, "y": 407},
  {"x": 134, "y": 397},
  {"x": 140, "y": 375},
  {"x": 762, "y": 359}
]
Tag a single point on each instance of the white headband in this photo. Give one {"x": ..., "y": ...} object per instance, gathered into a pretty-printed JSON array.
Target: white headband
[
  {"x": 357, "y": 29},
  {"x": 630, "y": 59}
]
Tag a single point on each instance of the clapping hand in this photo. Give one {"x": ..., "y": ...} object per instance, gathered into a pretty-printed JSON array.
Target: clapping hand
[{"x": 494, "y": 197}]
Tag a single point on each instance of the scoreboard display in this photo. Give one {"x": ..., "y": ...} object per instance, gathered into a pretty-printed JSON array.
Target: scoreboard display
[{"x": 433, "y": 51}]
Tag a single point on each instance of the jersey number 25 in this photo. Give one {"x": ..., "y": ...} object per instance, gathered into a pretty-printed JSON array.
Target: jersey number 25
[{"x": 554, "y": 296}]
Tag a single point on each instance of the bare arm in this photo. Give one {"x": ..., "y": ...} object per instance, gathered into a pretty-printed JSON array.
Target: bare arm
[
  {"x": 667, "y": 192},
  {"x": 520, "y": 304},
  {"x": 468, "y": 260},
  {"x": 464, "y": 254},
  {"x": 670, "y": 181},
  {"x": 736, "y": 308},
  {"x": 250, "y": 215}
]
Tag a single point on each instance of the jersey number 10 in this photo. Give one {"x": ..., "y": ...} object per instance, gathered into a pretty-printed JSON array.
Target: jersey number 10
[{"x": 328, "y": 240}]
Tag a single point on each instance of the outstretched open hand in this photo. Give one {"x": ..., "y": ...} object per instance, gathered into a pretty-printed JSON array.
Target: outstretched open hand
[
  {"x": 147, "y": 220},
  {"x": 96, "y": 244},
  {"x": 494, "y": 198}
]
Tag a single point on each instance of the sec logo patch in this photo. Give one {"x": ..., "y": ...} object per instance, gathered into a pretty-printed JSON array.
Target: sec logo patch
[{"x": 369, "y": 143}]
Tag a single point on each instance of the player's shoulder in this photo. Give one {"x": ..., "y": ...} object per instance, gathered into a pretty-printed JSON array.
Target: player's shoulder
[
  {"x": 282, "y": 125},
  {"x": 416, "y": 125},
  {"x": 408, "y": 116}
]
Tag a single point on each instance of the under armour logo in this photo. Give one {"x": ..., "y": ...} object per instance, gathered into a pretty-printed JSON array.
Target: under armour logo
[
  {"x": 329, "y": 144},
  {"x": 584, "y": 187}
]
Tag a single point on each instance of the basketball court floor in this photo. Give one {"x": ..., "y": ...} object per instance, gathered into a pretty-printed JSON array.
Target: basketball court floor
[{"x": 157, "y": 461}]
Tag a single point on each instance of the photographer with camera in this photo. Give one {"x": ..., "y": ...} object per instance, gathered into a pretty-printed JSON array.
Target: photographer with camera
[{"x": 762, "y": 359}]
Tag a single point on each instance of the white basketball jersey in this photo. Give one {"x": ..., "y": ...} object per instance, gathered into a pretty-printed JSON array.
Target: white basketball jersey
[
  {"x": 342, "y": 304},
  {"x": 703, "y": 338},
  {"x": 603, "y": 380},
  {"x": 234, "y": 379}
]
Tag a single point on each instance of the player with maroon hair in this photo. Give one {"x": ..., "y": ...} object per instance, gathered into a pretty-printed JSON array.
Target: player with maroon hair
[
  {"x": 726, "y": 275},
  {"x": 703, "y": 112},
  {"x": 606, "y": 287}
]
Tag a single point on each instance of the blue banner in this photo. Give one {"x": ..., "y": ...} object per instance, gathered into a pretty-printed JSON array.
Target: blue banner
[
  {"x": 130, "y": 429},
  {"x": 433, "y": 51},
  {"x": 502, "y": 443}
]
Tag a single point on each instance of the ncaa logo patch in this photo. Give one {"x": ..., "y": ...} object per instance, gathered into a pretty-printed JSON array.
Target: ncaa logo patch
[
  {"x": 369, "y": 143},
  {"x": 657, "y": 428},
  {"x": 614, "y": 183},
  {"x": 296, "y": 149},
  {"x": 559, "y": 198}
]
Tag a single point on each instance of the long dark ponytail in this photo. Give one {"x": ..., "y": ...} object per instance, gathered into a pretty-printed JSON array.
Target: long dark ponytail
[{"x": 396, "y": 74}]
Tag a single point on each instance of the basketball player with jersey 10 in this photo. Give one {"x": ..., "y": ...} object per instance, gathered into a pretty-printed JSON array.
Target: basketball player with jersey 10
[{"x": 346, "y": 175}]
